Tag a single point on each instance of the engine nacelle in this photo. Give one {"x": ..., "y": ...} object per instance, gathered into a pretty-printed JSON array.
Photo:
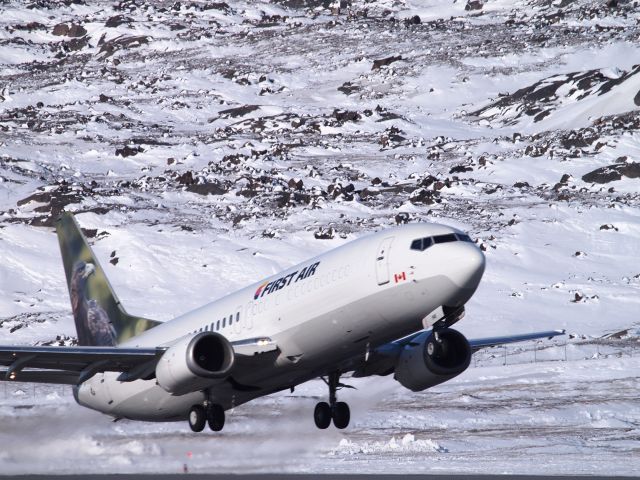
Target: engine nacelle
[
  {"x": 431, "y": 359},
  {"x": 195, "y": 363}
]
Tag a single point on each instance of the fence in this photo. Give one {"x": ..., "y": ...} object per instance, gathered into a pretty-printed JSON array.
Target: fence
[{"x": 543, "y": 351}]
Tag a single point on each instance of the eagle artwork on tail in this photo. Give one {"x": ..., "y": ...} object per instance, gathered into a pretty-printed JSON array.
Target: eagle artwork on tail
[{"x": 93, "y": 325}]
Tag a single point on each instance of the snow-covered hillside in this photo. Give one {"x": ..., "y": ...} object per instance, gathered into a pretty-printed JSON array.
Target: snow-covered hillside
[{"x": 205, "y": 145}]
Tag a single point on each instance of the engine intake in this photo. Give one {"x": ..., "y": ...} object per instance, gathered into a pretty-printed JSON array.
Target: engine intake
[
  {"x": 195, "y": 363},
  {"x": 433, "y": 358}
]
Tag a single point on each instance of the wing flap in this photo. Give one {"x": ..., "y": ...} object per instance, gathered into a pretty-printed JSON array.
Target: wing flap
[
  {"x": 61, "y": 377},
  {"x": 23, "y": 361}
]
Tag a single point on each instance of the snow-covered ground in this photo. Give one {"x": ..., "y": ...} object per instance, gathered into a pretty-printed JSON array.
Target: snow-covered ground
[
  {"x": 206, "y": 145},
  {"x": 576, "y": 417}
]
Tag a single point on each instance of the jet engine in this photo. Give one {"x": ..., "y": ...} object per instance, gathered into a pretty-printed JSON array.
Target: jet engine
[
  {"x": 195, "y": 363},
  {"x": 433, "y": 358}
]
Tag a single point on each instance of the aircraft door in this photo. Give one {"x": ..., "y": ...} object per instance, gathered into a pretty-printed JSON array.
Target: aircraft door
[{"x": 382, "y": 261}]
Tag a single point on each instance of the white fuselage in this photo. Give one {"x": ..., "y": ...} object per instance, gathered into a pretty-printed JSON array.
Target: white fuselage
[{"x": 320, "y": 313}]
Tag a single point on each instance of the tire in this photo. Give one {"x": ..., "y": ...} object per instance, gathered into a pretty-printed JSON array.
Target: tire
[
  {"x": 197, "y": 418},
  {"x": 215, "y": 417},
  {"x": 322, "y": 415},
  {"x": 341, "y": 415}
]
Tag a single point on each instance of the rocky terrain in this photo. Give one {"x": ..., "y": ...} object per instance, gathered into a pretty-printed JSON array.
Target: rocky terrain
[{"x": 205, "y": 145}]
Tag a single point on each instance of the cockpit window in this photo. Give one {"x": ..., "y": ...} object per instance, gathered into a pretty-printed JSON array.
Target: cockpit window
[
  {"x": 421, "y": 244},
  {"x": 464, "y": 238},
  {"x": 450, "y": 237}
]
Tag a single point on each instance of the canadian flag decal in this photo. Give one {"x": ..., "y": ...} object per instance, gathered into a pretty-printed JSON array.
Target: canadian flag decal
[{"x": 399, "y": 277}]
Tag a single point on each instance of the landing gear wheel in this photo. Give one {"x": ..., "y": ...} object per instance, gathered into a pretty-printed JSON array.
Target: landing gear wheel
[
  {"x": 341, "y": 415},
  {"x": 197, "y": 418},
  {"x": 322, "y": 415},
  {"x": 215, "y": 417}
]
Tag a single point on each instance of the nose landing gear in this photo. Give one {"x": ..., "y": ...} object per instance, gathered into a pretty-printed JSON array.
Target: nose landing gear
[{"x": 334, "y": 410}]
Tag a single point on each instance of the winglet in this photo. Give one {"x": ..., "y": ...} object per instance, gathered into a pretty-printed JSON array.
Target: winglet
[{"x": 99, "y": 316}]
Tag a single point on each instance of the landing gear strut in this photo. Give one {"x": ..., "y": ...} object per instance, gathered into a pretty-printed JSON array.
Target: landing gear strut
[{"x": 334, "y": 410}]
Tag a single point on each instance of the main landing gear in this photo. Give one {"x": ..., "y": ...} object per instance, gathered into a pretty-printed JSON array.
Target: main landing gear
[
  {"x": 199, "y": 416},
  {"x": 334, "y": 410}
]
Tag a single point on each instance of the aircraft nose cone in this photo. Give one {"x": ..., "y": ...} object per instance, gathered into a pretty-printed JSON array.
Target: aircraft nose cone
[{"x": 467, "y": 267}]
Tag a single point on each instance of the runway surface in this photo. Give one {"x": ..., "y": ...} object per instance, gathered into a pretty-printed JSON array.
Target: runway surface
[{"x": 550, "y": 418}]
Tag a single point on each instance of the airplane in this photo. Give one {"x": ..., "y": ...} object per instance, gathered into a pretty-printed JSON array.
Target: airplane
[{"x": 379, "y": 305}]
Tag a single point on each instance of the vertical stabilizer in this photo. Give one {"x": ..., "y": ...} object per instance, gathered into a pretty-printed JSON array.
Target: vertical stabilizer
[{"x": 100, "y": 318}]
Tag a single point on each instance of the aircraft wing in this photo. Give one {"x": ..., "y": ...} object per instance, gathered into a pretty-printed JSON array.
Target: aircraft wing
[
  {"x": 382, "y": 360},
  {"x": 494, "y": 341},
  {"x": 73, "y": 365},
  {"x": 70, "y": 365}
]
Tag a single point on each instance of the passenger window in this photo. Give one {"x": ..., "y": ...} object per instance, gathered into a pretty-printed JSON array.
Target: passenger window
[
  {"x": 230, "y": 319},
  {"x": 206, "y": 328},
  {"x": 224, "y": 322},
  {"x": 218, "y": 325},
  {"x": 238, "y": 317},
  {"x": 445, "y": 238}
]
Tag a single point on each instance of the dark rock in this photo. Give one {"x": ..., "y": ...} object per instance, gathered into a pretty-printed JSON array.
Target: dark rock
[
  {"x": 402, "y": 218},
  {"x": 636, "y": 99},
  {"x": 602, "y": 175},
  {"x": 423, "y": 196},
  {"x": 613, "y": 172},
  {"x": 117, "y": 20},
  {"x": 609, "y": 226},
  {"x": 224, "y": 6},
  {"x": 365, "y": 193},
  {"x": 461, "y": 169},
  {"x": 324, "y": 234},
  {"x": 186, "y": 178},
  {"x": 377, "y": 64},
  {"x": 89, "y": 232},
  {"x": 295, "y": 185},
  {"x": 631, "y": 170},
  {"x": 128, "y": 151},
  {"x": 348, "y": 88},
  {"x": 76, "y": 31},
  {"x": 104, "y": 98},
  {"x": 238, "y": 111},
  {"x": 415, "y": 20},
  {"x": 207, "y": 189},
  {"x": 114, "y": 261},
  {"x": 61, "y": 30},
  {"x": 29, "y": 27},
  {"x": 521, "y": 185},
  {"x": 473, "y": 5},
  {"x": 346, "y": 115},
  {"x": 120, "y": 43}
]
